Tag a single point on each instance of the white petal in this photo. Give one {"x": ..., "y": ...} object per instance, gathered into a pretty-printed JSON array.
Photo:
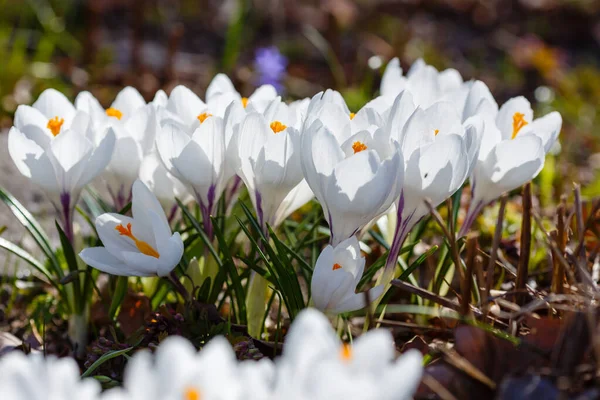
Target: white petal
[
  {"x": 504, "y": 120},
  {"x": 184, "y": 103},
  {"x": 392, "y": 81},
  {"x": 547, "y": 128},
  {"x": 128, "y": 101},
  {"x": 53, "y": 103},
  {"x": 100, "y": 258},
  {"x": 145, "y": 207},
  {"x": 219, "y": 84}
]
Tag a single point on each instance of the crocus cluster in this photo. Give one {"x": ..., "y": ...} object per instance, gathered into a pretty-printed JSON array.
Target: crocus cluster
[
  {"x": 427, "y": 134},
  {"x": 314, "y": 365}
]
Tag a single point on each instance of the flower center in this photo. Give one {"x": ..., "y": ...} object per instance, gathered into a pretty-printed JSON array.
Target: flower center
[
  {"x": 55, "y": 124},
  {"x": 336, "y": 266},
  {"x": 436, "y": 131},
  {"x": 245, "y": 102},
  {"x": 142, "y": 246},
  {"x": 346, "y": 352},
  {"x": 113, "y": 112},
  {"x": 518, "y": 123},
  {"x": 352, "y": 115},
  {"x": 192, "y": 394},
  {"x": 358, "y": 147},
  {"x": 277, "y": 126},
  {"x": 203, "y": 117}
]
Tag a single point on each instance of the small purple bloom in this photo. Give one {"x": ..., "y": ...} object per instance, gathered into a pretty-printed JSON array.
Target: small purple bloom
[{"x": 271, "y": 66}]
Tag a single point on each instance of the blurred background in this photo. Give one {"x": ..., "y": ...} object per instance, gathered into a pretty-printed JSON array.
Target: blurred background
[{"x": 546, "y": 50}]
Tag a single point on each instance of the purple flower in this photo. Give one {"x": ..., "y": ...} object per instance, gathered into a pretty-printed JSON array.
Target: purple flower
[{"x": 271, "y": 65}]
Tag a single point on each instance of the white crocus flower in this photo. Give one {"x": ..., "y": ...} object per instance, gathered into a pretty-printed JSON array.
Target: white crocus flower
[
  {"x": 138, "y": 246},
  {"x": 51, "y": 114},
  {"x": 330, "y": 108},
  {"x": 221, "y": 92},
  {"x": 125, "y": 106},
  {"x": 426, "y": 83},
  {"x": 316, "y": 365},
  {"x": 162, "y": 183},
  {"x": 354, "y": 182},
  {"x": 197, "y": 161},
  {"x": 513, "y": 150},
  {"x": 269, "y": 165},
  {"x": 440, "y": 152},
  {"x": 62, "y": 164},
  {"x": 335, "y": 278},
  {"x": 134, "y": 124},
  {"x": 177, "y": 371},
  {"x": 36, "y": 377}
]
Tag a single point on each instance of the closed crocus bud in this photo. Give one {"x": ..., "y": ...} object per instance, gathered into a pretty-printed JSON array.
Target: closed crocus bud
[
  {"x": 138, "y": 246},
  {"x": 197, "y": 161},
  {"x": 513, "y": 151},
  {"x": 34, "y": 377},
  {"x": 335, "y": 278},
  {"x": 62, "y": 164},
  {"x": 354, "y": 182},
  {"x": 367, "y": 368}
]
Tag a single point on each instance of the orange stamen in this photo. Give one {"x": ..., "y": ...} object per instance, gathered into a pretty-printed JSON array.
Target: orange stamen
[
  {"x": 192, "y": 394},
  {"x": 352, "y": 115},
  {"x": 277, "y": 126},
  {"x": 245, "y": 102},
  {"x": 142, "y": 246},
  {"x": 358, "y": 147},
  {"x": 202, "y": 117},
  {"x": 336, "y": 266},
  {"x": 346, "y": 352},
  {"x": 55, "y": 124},
  {"x": 436, "y": 132},
  {"x": 518, "y": 123},
  {"x": 113, "y": 112}
]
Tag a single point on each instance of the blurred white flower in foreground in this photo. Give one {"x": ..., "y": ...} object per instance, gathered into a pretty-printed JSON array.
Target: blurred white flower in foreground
[
  {"x": 138, "y": 246},
  {"x": 355, "y": 181},
  {"x": 335, "y": 278},
  {"x": 316, "y": 365},
  {"x": 178, "y": 371},
  {"x": 62, "y": 161},
  {"x": 513, "y": 147},
  {"x": 36, "y": 377}
]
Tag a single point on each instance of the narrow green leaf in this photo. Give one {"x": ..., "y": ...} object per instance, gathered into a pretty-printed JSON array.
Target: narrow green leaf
[
  {"x": 118, "y": 296},
  {"x": 25, "y": 256},
  {"x": 71, "y": 260},
  {"x": 107, "y": 356},
  {"x": 417, "y": 263}
]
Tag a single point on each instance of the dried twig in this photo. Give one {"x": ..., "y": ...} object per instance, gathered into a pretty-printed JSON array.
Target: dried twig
[
  {"x": 560, "y": 238},
  {"x": 523, "y": 267},
  {"x": 437, "y": 388}
]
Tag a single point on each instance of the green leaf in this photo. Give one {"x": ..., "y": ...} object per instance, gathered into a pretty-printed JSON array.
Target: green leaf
[
  {"x": 71, "y": 260},
  {"x": 107, "y": 356},
  {"x": 33, "y": 227},
  {"x": 25, "y": 256},
  {"x": 118, "y": 296},
  {"x": 417, "y": 263}
]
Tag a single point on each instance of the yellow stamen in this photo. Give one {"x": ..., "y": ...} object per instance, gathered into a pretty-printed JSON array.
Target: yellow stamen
[
  {"x": 192, "y": 394},
  {"x": 336, "y": 266},
  {"x": 352, "y": 115},
  {"x": 518, "y": 123},
  {"x": 113, "y": 112},
  {"x": 203, "y": 117},
  {"x": 436, "y": 132},
  {"x": 346, "y": 352},
  {"x": 142, "y": 246},
  {"x": 277, "y": 126},
  {"x": 245, "y": 102},
  {"x": 358, "y": 147},
  {"x": 55, "y": 124}
]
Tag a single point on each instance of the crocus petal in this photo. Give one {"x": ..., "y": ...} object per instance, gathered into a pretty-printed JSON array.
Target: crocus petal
[
  {"x": 547, "y": 128},
  {"x": 103, "y": 260},
  {"x": 145, "y": 209},
  {"x": 53, "y": 103},
  {"x": 184, "y": 103},
  {"x": 128, "y": 101},
  {"x": 506, "y": 114},
  {"x": 219, "y": 84},
  {"x": 392, "y": 81}
]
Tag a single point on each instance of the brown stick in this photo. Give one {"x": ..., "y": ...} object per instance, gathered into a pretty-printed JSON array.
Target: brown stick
[
  {"x": 470, "y": 262},
  {"x": 523, "y": 268},
  {"x": 558, "y": 271},
  {"x": 495, "y": 246}
]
